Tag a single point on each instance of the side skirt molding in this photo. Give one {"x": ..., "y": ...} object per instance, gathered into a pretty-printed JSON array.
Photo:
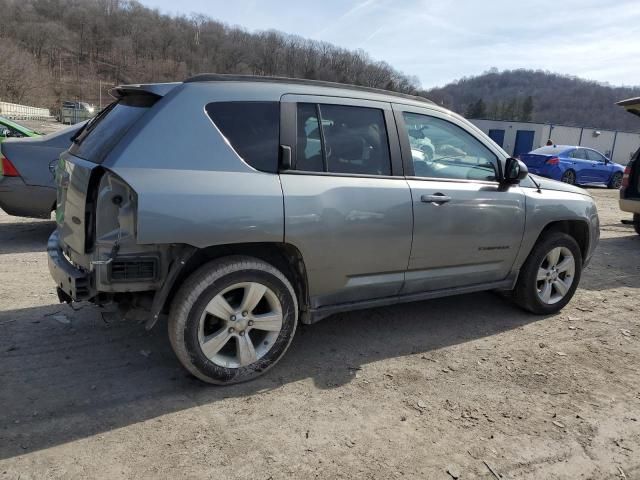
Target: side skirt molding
[{"x": 317, "y": 314}]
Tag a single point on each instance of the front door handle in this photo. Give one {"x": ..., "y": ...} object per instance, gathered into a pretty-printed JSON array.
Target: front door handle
[{"x": 437, "y": 198}]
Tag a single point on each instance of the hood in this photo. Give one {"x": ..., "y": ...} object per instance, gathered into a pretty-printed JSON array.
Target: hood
[
  {"x": 548, "y": 184},
  {"x": 618, "y": 166}
]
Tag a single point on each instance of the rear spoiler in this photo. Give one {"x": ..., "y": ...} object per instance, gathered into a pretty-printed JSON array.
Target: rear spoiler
[
  {"x": 631, "y": 105},
  {"x": 155, "y": 89}
]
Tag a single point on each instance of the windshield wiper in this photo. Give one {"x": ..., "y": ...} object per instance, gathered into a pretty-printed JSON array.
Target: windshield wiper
[{"x": 74, "y": 137}]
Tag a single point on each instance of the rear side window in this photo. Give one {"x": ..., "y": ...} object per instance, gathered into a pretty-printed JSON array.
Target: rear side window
[
  {"x": 342, "y": 139},
  {"x": 101, "y": 134},
  {"x": 252, "y": 129},
  {"x": 578, "y": 153}
]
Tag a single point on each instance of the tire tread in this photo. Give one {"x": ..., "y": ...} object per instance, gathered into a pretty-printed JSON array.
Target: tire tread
[
  {"x": 524, "y": 294},
  {"x": 194, "y": 286}
]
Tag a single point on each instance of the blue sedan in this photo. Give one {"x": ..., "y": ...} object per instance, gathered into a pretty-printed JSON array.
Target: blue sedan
[{"x": 574, "y": 165}]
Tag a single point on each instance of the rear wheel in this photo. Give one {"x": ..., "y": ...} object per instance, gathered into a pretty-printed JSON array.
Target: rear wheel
[
  {"x": 569, "y": 177},
  {"x": 616, "y": 181},
  {"x": 233, "y": 319},
  {"x": 636, "y": 222},
  {"x": 550, "y": 275}
]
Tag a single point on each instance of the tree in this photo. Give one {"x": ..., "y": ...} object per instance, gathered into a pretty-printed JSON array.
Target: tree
[
  {"x": 527, "y": 109},
  {"x": 477, "y": 110},
  {"x": 53, "y": 50},
  {"x": 510, "y": 110}
]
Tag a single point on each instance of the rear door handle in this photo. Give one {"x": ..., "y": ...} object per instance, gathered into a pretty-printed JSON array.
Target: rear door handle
[{"x": 437, "y": 198}]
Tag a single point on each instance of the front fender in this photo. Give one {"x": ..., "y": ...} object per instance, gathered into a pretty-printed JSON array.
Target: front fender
[{"x": 546, "y": 207}]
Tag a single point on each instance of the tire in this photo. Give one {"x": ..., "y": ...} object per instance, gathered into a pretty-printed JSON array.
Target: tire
[
  {"x": 215, "y": 346},
  {"x": 569, "y": 177},
  {"x": 530, "y": 289},
  {"x": 636, "y": 222},
  {"x": 616, "y": 181}
]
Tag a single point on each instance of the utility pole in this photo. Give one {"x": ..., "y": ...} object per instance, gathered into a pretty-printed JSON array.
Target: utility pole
[{"x": 100, "y": 93}]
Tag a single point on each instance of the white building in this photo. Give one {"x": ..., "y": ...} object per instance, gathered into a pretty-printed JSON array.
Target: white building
[{"x": 522, "y": 137}]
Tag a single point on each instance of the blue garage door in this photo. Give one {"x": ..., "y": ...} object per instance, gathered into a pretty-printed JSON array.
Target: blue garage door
[
  {"x": 497, "y": 136},
  {"x": 524, "y": 142}
]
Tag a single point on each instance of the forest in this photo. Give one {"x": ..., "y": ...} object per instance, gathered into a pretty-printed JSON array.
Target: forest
[
  {"x": 57, "y": 50},
  {"x": 539, "y": 96}
]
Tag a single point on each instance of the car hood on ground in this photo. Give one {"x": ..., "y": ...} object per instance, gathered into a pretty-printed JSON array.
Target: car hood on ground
[{"x": 548, "y": 184}]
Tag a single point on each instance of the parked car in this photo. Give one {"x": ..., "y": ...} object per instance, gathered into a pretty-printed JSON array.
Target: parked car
[
  {"x": 278, "y": 201},
  {"x": 75, "y": 112},
  {"x": 574, "y": 165},
  {"x": 10, "y": 129},
  {"x": 630, "y": 191},
  {"x": 27, "y": 182}
]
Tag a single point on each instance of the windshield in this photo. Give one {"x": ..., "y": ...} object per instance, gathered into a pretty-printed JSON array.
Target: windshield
[{"x": 101, "y": 134}]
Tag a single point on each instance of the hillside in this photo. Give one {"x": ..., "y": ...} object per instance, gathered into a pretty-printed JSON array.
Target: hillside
[
  {"x": 54, "y": 50},
  {"x": 554, "y": 99}
]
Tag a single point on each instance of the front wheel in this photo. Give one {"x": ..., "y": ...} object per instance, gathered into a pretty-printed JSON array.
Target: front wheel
[
  {"x": 616, "y": 181},
  {"x": 233, "y": 319},
  {"x": 550, "y": 275},
  {"x": 636, "y": 222}
]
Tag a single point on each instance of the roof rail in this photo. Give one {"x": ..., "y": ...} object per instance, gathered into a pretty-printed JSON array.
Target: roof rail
[{"x": 219, "y": 77}]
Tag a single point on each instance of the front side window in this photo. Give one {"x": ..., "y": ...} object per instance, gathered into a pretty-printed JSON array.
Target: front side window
[
  {"x": 440, "y": 149},
  {"x": 342, "y": 139},
  {"x": 253, "y": 130},
  {"x": 594, "y": 156}
]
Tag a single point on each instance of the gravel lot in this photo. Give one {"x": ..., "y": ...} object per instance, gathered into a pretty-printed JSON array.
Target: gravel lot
[{"x": 458, "y": 386}]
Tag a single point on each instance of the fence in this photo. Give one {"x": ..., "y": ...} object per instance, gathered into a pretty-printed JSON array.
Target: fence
[{"x": 23, "y": 112}]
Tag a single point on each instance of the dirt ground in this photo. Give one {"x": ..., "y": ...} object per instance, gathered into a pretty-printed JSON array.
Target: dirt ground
[{"x": 466, "y": 386}]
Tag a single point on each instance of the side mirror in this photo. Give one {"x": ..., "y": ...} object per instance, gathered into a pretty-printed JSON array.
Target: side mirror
[
  {"x": 515, "y": 170},
  {"x": 5, "y": 132}
]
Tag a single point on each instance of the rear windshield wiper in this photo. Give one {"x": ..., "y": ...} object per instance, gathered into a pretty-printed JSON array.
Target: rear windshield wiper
[
  {"x": 74, "y": 137},
  {"x": 90, "y": 125}
]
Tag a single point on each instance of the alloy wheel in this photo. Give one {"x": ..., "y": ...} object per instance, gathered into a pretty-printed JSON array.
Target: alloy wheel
[
  {"x": 240, "y": 325},
  {"x": 555, "y": 275},
  {"x": 569, "y": 177},
  {"x": 617, "y": 181}
]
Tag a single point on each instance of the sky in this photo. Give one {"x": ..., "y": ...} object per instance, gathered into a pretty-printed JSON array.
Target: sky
[{"x": 439, "y": 41}]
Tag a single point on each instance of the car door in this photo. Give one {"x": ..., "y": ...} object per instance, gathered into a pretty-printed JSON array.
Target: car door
[
  {"x": 347, "y": 205},
  {"x": 467, "y": 227},
  {"x": 581, "y": 165},
  {"x": 600, "y": 167}
]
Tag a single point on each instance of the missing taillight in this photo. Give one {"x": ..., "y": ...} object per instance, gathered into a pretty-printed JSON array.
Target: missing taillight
[{"x": 7, "y": 168}]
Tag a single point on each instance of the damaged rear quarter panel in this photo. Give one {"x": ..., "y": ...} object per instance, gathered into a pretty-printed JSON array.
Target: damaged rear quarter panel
[{"x": 191, "y": 186}]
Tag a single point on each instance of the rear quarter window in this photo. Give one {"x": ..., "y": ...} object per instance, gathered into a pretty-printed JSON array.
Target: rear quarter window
[
  {"x": 101, "y": 134},
  {"x": 252, "y": 129}
]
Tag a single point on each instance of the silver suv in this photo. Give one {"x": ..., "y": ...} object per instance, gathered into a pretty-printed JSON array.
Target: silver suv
[{"x": 239, "y": 206}]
